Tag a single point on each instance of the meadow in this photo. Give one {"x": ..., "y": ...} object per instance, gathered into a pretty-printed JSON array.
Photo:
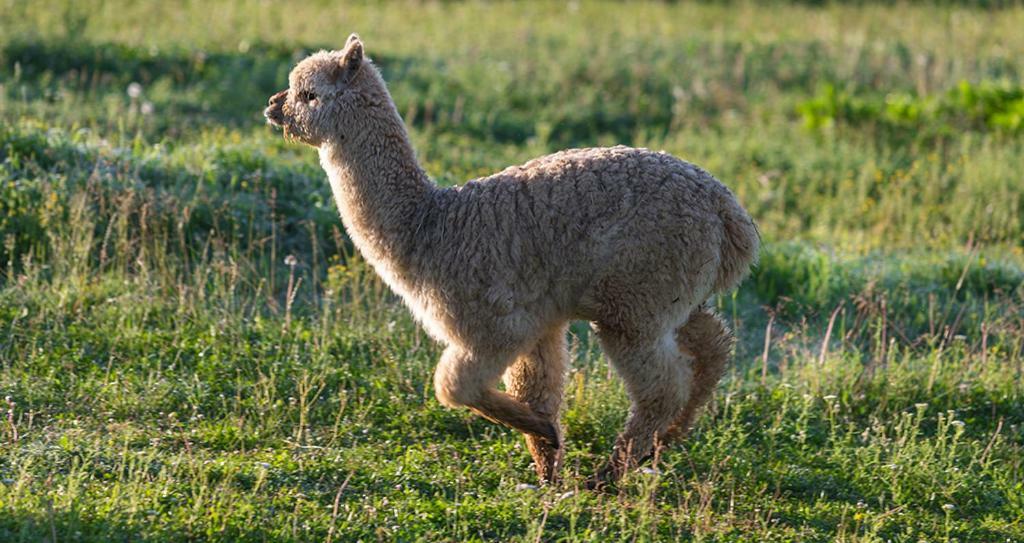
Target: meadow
[{"x": 191, "y": 349}]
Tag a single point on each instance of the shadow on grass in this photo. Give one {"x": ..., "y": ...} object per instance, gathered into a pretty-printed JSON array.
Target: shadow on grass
[{"x": 231, "y": 192}]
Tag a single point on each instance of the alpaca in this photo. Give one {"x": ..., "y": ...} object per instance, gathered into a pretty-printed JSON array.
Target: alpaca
[{"x": 634, "y": 241}]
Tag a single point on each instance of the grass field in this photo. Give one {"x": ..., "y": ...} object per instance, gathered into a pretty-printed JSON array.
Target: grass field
[{"x": 165, "y": 375}]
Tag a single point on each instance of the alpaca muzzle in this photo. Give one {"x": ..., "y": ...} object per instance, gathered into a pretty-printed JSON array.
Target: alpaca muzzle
[{"x": 275, "y": 108}]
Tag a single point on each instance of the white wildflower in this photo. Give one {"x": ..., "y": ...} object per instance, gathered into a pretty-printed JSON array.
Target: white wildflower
[{"x": 134, "y": 90}]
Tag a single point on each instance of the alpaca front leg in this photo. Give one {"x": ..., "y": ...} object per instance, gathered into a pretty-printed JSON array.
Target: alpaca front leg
[
  {"x": 537, "y": 379},
  {"x": 466, "y": 379}
]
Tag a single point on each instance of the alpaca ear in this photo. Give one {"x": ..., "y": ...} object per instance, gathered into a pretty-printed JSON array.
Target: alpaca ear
[
  {"x": 351, "y": 61},
  {"x": 353, "y": 58}
]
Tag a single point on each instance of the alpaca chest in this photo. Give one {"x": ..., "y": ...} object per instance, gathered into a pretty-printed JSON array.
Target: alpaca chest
[
  {"x": 424, "y": 304},
  {"x": 376, "y": 234}
]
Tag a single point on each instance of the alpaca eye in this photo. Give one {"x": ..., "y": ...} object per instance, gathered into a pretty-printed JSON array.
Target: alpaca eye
[{"x": 307, "y": 96}]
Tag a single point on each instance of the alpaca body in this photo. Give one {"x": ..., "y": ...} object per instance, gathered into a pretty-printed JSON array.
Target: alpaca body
[
  {"x": 634, "y": 241},
  {"x": 544, "y": 242}
]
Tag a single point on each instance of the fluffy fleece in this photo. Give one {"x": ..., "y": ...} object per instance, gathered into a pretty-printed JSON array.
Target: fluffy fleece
[{"x": 634, "y": 241}]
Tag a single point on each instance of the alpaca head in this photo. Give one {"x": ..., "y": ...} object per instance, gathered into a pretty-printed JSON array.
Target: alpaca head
[{"x": 326, "y": 94}]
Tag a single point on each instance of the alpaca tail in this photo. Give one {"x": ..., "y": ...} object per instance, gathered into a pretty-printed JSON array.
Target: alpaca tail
[
  {"x": 707, "y": 339},
  {"x": 739, "y": 246}
]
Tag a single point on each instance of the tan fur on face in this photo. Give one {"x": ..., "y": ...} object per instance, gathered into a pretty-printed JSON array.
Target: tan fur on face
[
  {"x": 319, "y": 89},
  {"x": 632, "y": 240}
]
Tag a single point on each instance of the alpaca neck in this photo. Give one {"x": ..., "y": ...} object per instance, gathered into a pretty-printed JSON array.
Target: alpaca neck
[{"x": 382, "y": 193}]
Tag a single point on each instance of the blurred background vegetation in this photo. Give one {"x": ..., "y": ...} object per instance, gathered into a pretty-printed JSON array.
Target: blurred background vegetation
[{"x": 169, "y": 377}]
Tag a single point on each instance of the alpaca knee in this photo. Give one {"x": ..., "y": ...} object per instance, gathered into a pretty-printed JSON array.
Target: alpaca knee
[
  {"x": 445, "y": 395},
  {"x": 455, "y": 388},
  {"x": 452, "y": 393}
]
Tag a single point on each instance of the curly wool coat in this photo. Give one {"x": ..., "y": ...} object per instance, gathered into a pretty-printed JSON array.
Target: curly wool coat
[{"x": 634, "y": 241}]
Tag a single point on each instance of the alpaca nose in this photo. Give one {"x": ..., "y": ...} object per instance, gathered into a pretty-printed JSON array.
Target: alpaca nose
[
  {"x": 278, "y": 98},
  {"x": 274, "y": 112}
]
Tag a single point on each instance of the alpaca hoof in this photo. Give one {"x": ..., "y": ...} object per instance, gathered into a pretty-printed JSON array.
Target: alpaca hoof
[
  {"x": 547, "y": 478},
  {"x": 550, "y": 436},
  {"x": 547, "y": 459},
  {"x": 603, "y": 481},
  {"x": 547, "y": 464}
]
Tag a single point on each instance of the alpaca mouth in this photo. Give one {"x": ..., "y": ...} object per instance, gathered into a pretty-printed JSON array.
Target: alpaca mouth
[
  {"x": 274, "y": 116},
  {"x": 275, "y": 109}
]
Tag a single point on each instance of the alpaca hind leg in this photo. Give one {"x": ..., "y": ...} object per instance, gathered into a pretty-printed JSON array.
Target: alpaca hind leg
[
  {"x": 467, "y": 379},
  {"x": 709, "y": 342},
  {"x": 537, "y": 379},
  {"x": 657, "y": 378}
]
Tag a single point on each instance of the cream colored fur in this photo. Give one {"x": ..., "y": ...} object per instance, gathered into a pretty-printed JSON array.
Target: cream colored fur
[{"x": 632, "y": 240}]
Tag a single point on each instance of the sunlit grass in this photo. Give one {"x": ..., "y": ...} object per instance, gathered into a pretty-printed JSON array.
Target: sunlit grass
[{"x": 191, "y": 349}]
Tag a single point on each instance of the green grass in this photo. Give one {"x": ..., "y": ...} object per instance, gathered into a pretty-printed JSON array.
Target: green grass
[{"x": 165, "y": 375}]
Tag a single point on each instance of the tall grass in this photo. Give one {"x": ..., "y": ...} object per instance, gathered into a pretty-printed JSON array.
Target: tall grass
[{"x": 191, "y": 349}]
